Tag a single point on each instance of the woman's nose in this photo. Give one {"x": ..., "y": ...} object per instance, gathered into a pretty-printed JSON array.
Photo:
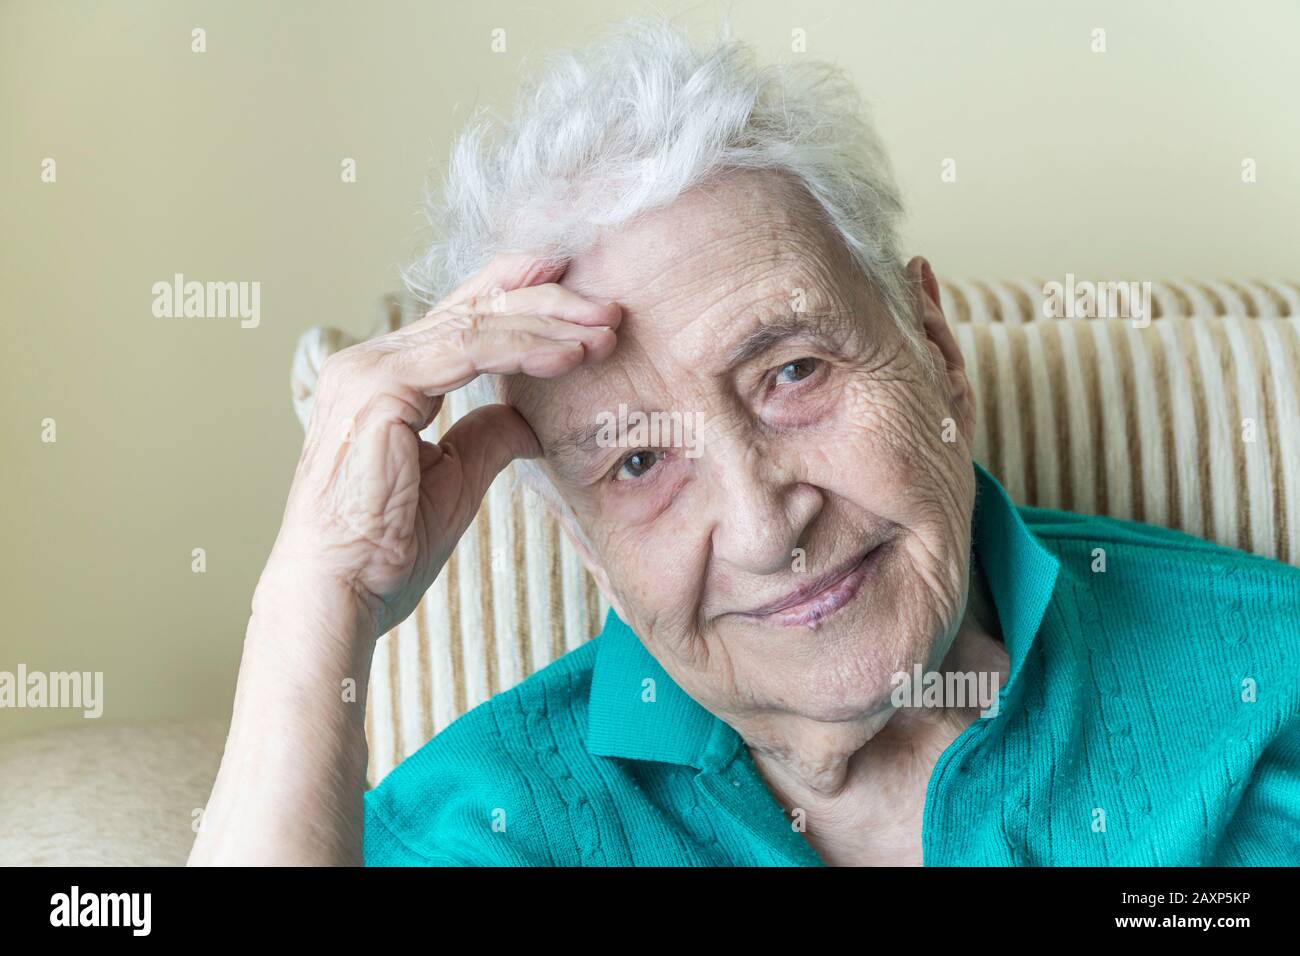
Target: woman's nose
[{"x": 762, "y": 506}]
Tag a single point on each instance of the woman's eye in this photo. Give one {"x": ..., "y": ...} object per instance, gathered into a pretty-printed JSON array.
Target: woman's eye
[
  {"x": 635, "y": 465},
  {"x": 799, "y": 369}
]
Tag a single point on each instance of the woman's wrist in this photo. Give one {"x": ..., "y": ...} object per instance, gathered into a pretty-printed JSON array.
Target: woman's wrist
[
  {"x": 305, "y": 614},
  {"x": 307, "y": 649},
  {"x": 296, "y": 750}
]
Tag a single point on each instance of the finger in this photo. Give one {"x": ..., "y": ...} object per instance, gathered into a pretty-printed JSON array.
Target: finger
[
  {"x": 458, "y": 334},
  {"x": 422, "y": 350},
  {"x": 455, "y": 332},
  {"x": 549, "y": 299},
  {"x": 506, "y": 352},
  {"x": 434, "y": 408},
  {"x": 407, "y": 375},
  {"x": 507, "y": 272},
  {"x": 486, "y": 440},
  {"x": 443, "y": 360}
]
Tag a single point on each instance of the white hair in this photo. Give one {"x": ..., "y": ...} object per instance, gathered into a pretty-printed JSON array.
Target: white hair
[{"x": 626, "y": 126}]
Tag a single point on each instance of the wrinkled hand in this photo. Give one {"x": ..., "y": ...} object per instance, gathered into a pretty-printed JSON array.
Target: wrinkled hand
[{"x": 374, "y": 508}]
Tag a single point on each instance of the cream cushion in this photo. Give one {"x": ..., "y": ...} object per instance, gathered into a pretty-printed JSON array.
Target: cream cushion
[
  {"x": 102, "y": 793},
  {"x": 1192, "y": 422}
]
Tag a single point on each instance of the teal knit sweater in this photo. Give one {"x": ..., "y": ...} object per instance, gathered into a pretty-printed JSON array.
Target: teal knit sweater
[{"x": 1151, "y": 716}]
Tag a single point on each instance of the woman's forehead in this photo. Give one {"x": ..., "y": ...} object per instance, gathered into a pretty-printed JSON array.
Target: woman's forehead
[
  {"x": 696, "y": 280},
  {"x": 746, "y": 218}
]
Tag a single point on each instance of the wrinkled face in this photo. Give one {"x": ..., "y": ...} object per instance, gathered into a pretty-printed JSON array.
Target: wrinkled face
[{"x": 798, "y": 530}]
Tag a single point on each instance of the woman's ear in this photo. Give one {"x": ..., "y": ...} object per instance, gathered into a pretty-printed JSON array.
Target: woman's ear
[
  {"x": 596, "y": 570},
  {"x": 942, "y": 345}
]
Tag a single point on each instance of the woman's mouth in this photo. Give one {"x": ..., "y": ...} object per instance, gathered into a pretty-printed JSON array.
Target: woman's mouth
[{"x": 809, "y": 607}]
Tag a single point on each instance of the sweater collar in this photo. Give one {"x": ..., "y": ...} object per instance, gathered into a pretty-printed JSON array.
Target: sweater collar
[{"x": 638, "y": 712}]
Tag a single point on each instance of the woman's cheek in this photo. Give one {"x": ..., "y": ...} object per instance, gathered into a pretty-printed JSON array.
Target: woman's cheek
[
  {"x": 650, "y": 522},
  {"x": 659, "y": 580}
]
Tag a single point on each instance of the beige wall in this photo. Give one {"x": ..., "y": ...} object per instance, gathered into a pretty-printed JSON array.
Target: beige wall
[{"x": 178, "y": 434}]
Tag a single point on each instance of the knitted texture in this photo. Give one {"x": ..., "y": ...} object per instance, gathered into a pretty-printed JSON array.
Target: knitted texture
[{"x": 1151, "y": 716}]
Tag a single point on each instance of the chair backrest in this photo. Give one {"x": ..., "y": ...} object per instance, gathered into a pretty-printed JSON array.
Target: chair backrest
[{"x": 1191, "y": 422}]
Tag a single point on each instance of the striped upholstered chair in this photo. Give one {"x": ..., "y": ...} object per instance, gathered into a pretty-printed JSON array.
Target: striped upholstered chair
[{"x": 1191, "y": 422}]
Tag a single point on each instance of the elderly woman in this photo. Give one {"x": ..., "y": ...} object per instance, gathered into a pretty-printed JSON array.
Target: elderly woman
[{"x": 794, "y": 588}]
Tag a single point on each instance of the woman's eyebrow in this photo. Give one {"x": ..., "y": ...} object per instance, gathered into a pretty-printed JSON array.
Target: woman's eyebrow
[
  {"x": 573, "y": 442},
  {"x": 576, "y": 442},
  {"x": 575, "y": 446},
  {"x": 829, "y": 328}
]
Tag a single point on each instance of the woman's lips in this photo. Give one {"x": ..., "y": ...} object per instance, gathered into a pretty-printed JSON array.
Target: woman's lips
[{"x": 812, "y": 610}]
